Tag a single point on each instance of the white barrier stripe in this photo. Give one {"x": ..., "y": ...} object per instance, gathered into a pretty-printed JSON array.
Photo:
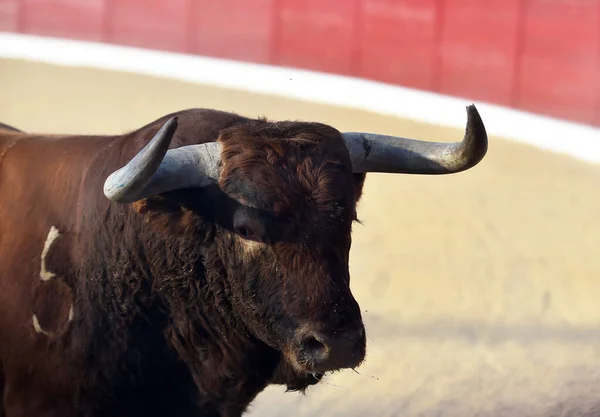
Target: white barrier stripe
[{"x": 574, "y": 139}]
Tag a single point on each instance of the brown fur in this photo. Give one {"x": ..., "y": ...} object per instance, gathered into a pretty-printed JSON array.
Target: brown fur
[{"x": 174, "y": 314}]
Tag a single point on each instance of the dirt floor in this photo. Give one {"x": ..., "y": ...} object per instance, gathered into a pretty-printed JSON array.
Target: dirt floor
[{"x": 480, "y": 291}]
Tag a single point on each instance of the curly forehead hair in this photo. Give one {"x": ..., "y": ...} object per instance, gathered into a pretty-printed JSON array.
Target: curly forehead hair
[{"x": 285, "y": 166}]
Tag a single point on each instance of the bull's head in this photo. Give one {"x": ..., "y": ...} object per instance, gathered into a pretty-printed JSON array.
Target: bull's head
[{"x": 291, "y": 192}]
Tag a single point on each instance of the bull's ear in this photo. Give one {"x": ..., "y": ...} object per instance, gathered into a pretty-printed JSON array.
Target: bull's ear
[
  {"x": 140, "y": 206},
  {"x": 156, "y": 205},
  {"x": 359, "y": 182}
]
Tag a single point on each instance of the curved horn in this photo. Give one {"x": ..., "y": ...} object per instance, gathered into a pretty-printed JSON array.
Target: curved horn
[
  {"x": 157, "y": 169},
  {"x": 379, "y": 153}
]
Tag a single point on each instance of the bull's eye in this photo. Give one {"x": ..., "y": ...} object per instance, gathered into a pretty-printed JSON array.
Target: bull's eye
[
  {"x": 246, "y": 232},
  {"x": 247, "y": 227}
]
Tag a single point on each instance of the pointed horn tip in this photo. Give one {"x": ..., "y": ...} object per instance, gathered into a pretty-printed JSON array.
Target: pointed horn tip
[
  {"x": 476, "y": 140},
  {"x": 167, "y": 129},
  {"x": 113, "y": 185},
  {"x": 473, "y": 115},
  {"x": 171, "y": 124}
]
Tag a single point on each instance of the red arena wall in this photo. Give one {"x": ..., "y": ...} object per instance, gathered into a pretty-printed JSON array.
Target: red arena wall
[{"x": 536, "y": 55}]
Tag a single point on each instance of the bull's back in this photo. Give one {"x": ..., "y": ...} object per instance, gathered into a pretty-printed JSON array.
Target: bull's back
[{"x": 40, "y": 184}]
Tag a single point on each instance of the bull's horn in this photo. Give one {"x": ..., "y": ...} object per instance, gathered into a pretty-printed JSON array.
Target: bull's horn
[
  {"x": 157, "y": 169},
  {"x": 379, "y": 153}
]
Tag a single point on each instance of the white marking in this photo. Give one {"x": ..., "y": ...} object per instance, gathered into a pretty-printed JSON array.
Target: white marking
[
  {"x": 250, "y": 245},
  {"x": 570, "y": 138},
  {"x": 38, "y": 327},
  {"x": 53, "y": 234},
  {"x": 249, "y": 248}
]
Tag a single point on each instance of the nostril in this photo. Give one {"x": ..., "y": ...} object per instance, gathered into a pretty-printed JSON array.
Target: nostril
[
  {"x": 320, "y": 351},
  {"x": 314, "y": 346}
]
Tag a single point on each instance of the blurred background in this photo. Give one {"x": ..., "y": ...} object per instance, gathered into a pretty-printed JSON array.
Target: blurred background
[
  {"x": 480, "y": 291},
  {"x": 537, "y": 55}
]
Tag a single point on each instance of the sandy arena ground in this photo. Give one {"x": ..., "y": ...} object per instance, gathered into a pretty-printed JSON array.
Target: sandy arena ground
[{"x": 480, "y": 291}]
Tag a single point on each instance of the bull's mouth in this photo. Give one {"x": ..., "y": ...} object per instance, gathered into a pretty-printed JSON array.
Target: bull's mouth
[{"x": 302, "y": 381}]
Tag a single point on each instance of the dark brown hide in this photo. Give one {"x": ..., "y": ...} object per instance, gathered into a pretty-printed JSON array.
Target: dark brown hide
[{"x": 186, "y": 304}]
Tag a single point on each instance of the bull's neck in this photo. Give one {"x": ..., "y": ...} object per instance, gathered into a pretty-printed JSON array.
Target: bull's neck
[
  {"x": 177, "y": 291},
  {"x": 224, "y": 359}
]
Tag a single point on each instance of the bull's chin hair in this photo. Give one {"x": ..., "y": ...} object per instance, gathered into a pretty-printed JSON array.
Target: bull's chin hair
[{"x": 301, "y": 387}]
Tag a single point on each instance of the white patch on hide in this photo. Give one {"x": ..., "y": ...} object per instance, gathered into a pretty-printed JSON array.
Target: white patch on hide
[
  {"x": 53, "y": 234},
  {"x": 38, "y": 328},
  {"x": 71, "y": 313}
]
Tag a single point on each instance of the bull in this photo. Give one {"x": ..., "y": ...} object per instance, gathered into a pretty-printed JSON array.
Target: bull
[{"x": 179, "y": 269}]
